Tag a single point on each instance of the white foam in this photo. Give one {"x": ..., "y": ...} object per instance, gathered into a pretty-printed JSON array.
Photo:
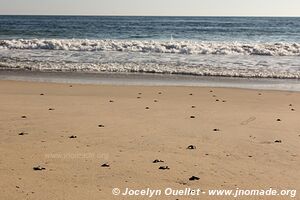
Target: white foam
[
  {"x": 153, "y": 68},
  {"x": 174, "y": 47}
]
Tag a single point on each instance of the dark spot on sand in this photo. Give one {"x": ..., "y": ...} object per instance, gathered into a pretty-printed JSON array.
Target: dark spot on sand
[
  {"x": 51, "y": 109},
  {"x": 105, "y": 165},
  {"x": 217, "y": 100},
  {"x": 101, "y": 126},
  {"x": 191, "y": 94},
  {"x": 193, "y": 106},
  {"x": 164, "y": 168},
  {"x": 292, "y": 109},
  {"x": 259, "y": 93},
  {"x": 139, "y": 93},
  {"x": 147, "y": 108},
  {"x": 23, "y": 117},
  {"x": 224, "y": 101},
  {"x": 192, "y": 117},
  {"x": 157, "y": 161},
  {"x": 155, "y": 101},
  {"x": 214, "y": 96},
  {"x": 279, "y": 120},
  {"x": 42, "y": 94},
  {"x": 278, "y": 141},
  {"x": 216, "y": 129},
  {"x": 291, "y": 105},
  {"x": 111, "y": 101},
  {"x": 73, "y": 136},
  {"x": 250, "y": 156},
  {"x": 70, "y": 85},
  {"x": 160, "y": 93},
  {"x": 23, "y": 133},
  {"x": 38, "y": 168},
  {"x": 191, "y": 147},
  {"x": 210, "y": 91},
  {"x": 194, "y": 178},
  {"x": 138, "y": 97}
]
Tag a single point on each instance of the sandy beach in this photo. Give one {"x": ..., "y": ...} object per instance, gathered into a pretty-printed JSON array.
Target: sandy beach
[{"x": 62, "y": 141}]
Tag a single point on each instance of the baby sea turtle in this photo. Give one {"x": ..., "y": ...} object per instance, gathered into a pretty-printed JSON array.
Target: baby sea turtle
[
  {"x": 105, "y": 165},
  {"x": 191, "y": 147},
  {"x": 38, "y": 168},
  {"x": 157, "y": 161},
  {"x": 23, "y": 133},
  {"x": 164, "y": 168},
  {"x": 194, "y": 178}
]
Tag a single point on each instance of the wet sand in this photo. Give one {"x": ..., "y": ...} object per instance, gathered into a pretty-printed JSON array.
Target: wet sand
[{"x": 62, "y": 141}]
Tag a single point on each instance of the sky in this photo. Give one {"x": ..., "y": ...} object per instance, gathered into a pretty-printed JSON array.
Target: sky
[{"x": 152, "y": 7}]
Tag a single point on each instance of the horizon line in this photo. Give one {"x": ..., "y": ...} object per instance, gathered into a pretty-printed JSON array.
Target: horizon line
[{"x": 119, "y": 15}]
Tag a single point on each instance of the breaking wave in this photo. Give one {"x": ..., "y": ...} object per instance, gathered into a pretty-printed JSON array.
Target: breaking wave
[{"x": 172, "y": 47}]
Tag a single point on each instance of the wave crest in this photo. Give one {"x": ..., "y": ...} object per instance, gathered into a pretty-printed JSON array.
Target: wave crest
[{"x": 175, "y": 47}]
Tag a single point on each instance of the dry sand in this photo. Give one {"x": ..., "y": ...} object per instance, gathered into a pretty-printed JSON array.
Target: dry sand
[{"x": 242, "y": 154}]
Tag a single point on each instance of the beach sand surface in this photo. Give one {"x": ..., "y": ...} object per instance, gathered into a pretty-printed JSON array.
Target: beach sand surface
[{"x": 245, "y": 139}]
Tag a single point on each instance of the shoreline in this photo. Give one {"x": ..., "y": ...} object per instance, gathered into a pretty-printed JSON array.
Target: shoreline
[{"x": 149, "y": 79}]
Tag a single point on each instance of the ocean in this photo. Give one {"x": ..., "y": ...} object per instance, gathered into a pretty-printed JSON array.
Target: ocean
[{"x": 252, "y": 47}]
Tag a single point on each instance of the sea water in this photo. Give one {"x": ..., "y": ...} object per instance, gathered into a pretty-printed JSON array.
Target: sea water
[{"x": 261, "y": 47}]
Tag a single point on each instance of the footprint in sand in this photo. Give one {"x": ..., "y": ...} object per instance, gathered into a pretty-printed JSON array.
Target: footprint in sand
[{"x": 251, "y": 119}]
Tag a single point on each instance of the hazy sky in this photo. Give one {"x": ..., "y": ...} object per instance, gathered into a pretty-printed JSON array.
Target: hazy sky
[{"x": 153, "y": 7}]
